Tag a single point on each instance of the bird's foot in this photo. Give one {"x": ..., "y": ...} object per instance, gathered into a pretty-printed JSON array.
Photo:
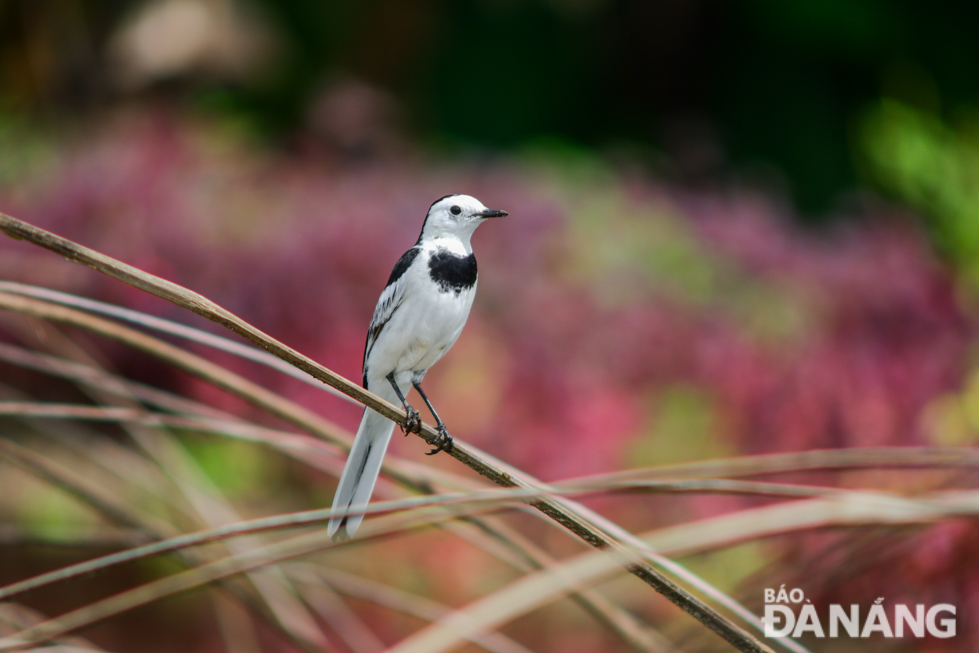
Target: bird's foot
[
  {"x": 442, "y": 443},
  {"x": 413, "y": 424}
]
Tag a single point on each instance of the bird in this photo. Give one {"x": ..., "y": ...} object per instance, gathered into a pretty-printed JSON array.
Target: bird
[{"x": 420, "y": 314}]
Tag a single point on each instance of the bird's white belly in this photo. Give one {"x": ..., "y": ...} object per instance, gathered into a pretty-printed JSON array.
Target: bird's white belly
[{"x": 420, "y": 332}]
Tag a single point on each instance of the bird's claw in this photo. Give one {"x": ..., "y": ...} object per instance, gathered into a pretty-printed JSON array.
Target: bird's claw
[
  {"x": 442, "y": 443},
  {"x": 413, "y": 423}
]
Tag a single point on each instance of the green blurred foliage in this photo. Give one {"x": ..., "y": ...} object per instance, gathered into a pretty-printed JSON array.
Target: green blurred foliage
[
  {"x": 49, "y": 512},
  {"x": 238, "y": 469},
  {"x": 685, "y": 425},
  {"x": 25, "y": 151},
  {"x": 623, "y": 251},
  {"x": 934, "y": 167}
]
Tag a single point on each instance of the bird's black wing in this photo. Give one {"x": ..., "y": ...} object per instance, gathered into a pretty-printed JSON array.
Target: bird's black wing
[{"x": 389, "y": 301}]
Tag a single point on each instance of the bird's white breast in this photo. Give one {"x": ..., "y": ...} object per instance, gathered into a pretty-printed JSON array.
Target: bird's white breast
[{"x": 425, "y": 325}]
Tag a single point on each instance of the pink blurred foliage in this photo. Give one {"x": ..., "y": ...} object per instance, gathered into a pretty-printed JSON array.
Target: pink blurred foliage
[
  {"x": 922, "y": 566},
  {"x": 892, "y": 334},
  {"x": 301, "y": 246}
]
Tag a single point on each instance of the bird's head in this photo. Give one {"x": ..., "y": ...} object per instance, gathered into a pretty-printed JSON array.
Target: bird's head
[{"x": 457, "y": 216}]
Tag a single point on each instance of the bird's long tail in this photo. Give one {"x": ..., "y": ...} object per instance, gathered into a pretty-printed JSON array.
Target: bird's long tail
[{"x": 360, "y": 472}]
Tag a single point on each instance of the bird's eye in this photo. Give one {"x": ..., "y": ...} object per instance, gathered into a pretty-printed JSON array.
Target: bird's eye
[{"x": 456, "y": 210}]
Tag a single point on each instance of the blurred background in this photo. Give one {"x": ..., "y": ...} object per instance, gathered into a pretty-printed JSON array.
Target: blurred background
[{"x": 736, "y": 228}]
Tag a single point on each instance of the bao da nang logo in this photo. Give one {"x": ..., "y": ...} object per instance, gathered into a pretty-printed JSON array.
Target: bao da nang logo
[{"x": 785, "y": 618}]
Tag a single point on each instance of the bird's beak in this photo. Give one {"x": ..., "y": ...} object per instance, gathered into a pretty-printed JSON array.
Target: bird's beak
[{"x": 492, "y": 213}]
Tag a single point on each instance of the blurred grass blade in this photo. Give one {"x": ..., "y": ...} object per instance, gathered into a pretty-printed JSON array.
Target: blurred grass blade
[
  {"x": 535, "y": 590},
  {"x": 81, "y": 537},
  {"x": 680, "y": 571},
  {"x": 235, "y": 625},
  {"x": 202, "y": 575},
  {"x": 394, "y": 599},
  {"x": 170, "y": 328},
  {"x": 332, "y": 609},
  {"x": 15, "y": 617},
  {"x": 282, "y": 440},
  {"x": 802, "y": 461},
  {"x": 83, "y": 489},
  {"x": 183, "y": 360},
  {"x": 89, "y": 375},
  {"x": 518, "y": 598}
]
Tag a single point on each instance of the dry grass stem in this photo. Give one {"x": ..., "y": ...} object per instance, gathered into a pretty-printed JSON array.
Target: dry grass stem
[
  {"x": 166, "y": 326},
  {"x": 182, "y": 360},
  {"x": 88, "y": 375},
  {"x": 805, "y": 461}
]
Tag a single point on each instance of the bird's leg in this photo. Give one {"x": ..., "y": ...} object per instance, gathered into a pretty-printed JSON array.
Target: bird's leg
[
  {"x": 444, "y": 442},
  {"x": 414, "y": 422}
]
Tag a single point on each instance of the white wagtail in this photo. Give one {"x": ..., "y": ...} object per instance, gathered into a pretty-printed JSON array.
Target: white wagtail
[{"x": 418, "y": 317}]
